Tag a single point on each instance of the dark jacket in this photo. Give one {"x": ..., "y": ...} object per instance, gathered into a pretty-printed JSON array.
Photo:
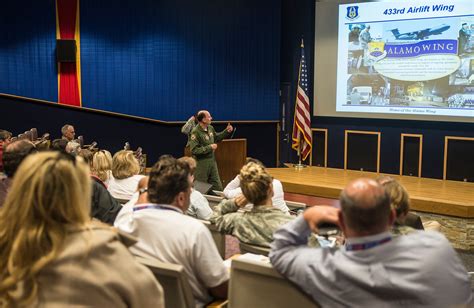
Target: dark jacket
[{"x": 104, "y": 207}]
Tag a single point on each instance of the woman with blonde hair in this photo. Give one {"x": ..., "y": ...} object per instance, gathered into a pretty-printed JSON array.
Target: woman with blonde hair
[
  {"x": 125, "y": 169},
  {"x": 256, "y": 226},
  {"x": 405, "y": 221},
  {"x": 101, "y": 166},
  {"x": 51, "y": 254}
]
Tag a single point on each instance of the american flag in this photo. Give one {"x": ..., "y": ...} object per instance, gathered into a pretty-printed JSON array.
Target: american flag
[{"x": 302, "y": 122}]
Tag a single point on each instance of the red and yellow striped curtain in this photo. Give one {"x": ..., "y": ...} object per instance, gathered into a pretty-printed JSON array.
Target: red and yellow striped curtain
[{"x": 69, "y": 73}]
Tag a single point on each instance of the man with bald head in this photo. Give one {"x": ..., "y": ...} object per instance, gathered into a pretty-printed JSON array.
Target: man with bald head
[
  {"x": 203, "y": 143},
  {"x": 372, "y": 269}
]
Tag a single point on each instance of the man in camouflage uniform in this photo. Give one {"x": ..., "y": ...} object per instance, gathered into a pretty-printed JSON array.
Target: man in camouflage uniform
[{"x": 203, "y": 144}]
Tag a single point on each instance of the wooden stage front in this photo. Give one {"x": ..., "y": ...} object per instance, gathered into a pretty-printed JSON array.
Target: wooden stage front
[{"x": 427, "y": 195}]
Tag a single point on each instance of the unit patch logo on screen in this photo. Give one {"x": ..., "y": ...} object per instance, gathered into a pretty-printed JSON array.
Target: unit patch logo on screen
[
  {"x": 376, "y": 51},
  {"x": 352, "y": 12}
]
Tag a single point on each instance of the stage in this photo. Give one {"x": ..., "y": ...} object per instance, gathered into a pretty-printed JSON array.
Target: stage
[{"x": 427, "y": 195}]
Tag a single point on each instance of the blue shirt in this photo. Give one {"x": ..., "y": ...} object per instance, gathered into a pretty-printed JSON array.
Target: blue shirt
[{"x": 417, "y": 270}]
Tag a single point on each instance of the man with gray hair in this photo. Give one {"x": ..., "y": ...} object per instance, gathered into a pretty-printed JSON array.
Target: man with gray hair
[
  {"x": 68, "y": 132},
  {"x": 372, "y": 269}
]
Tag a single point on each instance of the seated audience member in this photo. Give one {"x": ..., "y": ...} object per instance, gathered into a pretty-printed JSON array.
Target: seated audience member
[
  {"x": 256, "y": 226},
  {"x": 68, "y": 133},
  {"x": 199, "y": 206},
  {"x": 87, "y": 156},
  {"x": 233, "y": 190},
  {"x": 59, "y": 145},
  {"x": 73, "y": 148},
  {"x": 165, "y": 233},
  {"x": 14, "y": 154},
  {"x": 399, "y": 202},
  {"x": 5, "y": 137},
  {"x": 104, "y": 207},
  {"x": 405, "y": 221},
  {"x": 138, "y": 197},
  {"x": 52, "y": 255},
  {"x": 373, "y": 269},
  {"x": 125, "y": 169},
  {"x": 101, "y": 166}
]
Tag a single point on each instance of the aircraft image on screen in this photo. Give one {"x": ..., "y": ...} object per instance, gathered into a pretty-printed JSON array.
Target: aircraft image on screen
[{"x": 420, "y": 34}]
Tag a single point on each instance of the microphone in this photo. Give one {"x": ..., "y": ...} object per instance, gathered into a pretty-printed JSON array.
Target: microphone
[{"x": 233, "y": 132}]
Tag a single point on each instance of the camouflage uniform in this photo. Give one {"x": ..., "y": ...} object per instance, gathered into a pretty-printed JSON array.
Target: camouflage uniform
[
  {"x": 188, "y": 128},
  {"x": 200, "y": 145},
  {"x": 254, "y": 227},
  {"x": 398, "y": 230}
]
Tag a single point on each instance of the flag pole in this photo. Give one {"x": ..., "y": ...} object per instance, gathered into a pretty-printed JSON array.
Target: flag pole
[{"x": 300, "y": 164}]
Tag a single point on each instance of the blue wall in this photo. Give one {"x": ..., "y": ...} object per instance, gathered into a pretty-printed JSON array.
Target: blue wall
[
  {"x": 157, "y": 59},
  {"x": 27, "y": 49}
]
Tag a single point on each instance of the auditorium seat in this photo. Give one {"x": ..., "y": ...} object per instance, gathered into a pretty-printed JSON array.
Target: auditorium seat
[
  {"x": 28, "y": 135},
  {"x": 219, "y": 238},
  {"x": 173, "y": 279},
  {"x": 255, "y": 284},
  {"x": 34, "y": 133},
  {"x": 175, "y": 284},
  {"x": 80, "y": 140},
  {"x": 295, "y": 207},
  {"x": 219, "y": 193},
  {"x": 213, "y": 200},
  {"x": 247, "y": 248}
]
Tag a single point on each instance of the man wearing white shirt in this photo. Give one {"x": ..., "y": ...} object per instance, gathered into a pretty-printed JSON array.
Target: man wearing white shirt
[
  {"x": 165, "y": 233},
  {"x": 233, "y": 190},
  {"x": 199, "y": 206},
  {"x": 373, "y": 269}
]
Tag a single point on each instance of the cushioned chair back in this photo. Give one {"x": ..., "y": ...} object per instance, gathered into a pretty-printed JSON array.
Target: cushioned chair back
[
  {"x": 256, "y": 284},
  {"x": 247, "y": 248},
  {"x": 293, "y": 205},
  {"x": 213, "y": 200},
  {"x": 28, "y": 135},
  {"x": 219, "y": 238},
  {"x": 80, "y": 140},
  {"x": 175, "y": 284},
  {"x": 34, "y": 133}
]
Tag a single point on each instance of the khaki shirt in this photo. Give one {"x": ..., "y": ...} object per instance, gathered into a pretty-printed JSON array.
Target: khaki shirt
[{"x": 95, "y": 269}]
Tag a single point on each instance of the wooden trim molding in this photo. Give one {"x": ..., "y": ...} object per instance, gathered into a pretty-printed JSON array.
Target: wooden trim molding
[
  {"x": 402, "y": 144},
  {"x": 325, "y": 130},
  {"x": 346, "y": 134},
  {"x": 446, "y": 142}
]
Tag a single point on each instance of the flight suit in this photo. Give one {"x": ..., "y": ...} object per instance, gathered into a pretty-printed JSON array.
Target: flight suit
[{"x": 200, "y": 145}]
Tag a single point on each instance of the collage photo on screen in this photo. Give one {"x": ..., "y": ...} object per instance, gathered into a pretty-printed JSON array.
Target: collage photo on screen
[{"x": 419, "y": 63}]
